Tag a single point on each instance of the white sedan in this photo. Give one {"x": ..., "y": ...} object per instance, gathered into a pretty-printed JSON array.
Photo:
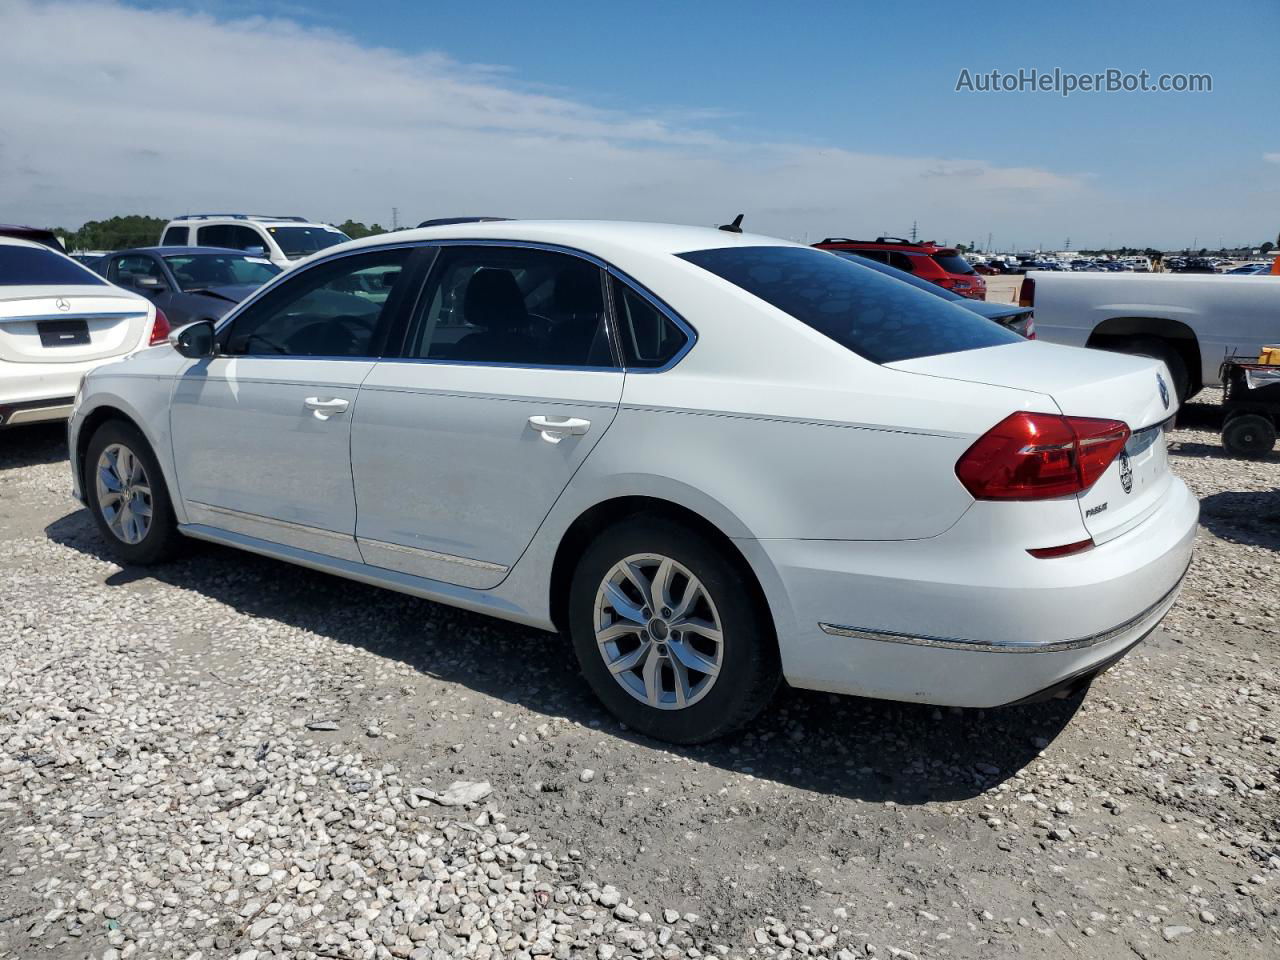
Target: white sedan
[
  {"x": 713, "y": 460},
  {"x": 58, "y": 320}
]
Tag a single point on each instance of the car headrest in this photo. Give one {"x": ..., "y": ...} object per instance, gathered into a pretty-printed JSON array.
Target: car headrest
[{"x": 493, "y": 301}]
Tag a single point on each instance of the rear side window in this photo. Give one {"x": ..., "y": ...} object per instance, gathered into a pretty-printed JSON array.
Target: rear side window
[
  {"x": 875, "y": 316},
  {"x": 20, "y": 266},
  {"x": 649, "y": 337},
  {"x": 953, "y": 263},
  {"x": 175, "y": 237}
]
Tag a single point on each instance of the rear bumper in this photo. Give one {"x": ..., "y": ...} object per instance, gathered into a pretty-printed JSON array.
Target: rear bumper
[
  {"x": 965, "y": 621},
  {"x": 31, "y": 392},
  {"x": 35, "y": 411}
]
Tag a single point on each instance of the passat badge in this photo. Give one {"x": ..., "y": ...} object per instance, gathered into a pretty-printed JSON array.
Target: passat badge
[
  {"x": 1126, "y": 472},
  {"x": 1164, "y": 390}
]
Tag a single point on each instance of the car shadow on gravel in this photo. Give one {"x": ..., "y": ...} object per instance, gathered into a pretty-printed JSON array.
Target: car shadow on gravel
[
  {"x": 870, "y": 750},
  {"x": 1248, "y": 517},
  {"x": 29, "y": 446}
]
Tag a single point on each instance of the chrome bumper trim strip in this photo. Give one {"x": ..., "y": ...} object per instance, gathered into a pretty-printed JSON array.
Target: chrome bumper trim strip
[{"x": 1153, "y": 613}]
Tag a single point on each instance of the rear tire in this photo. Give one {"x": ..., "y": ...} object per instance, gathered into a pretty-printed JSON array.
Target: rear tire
[
  {"x": 127, "y": 496},
  {"x": 653, "y": 601},
  {"x": 1158, "y": 349},
  {"x": 1249, "y": 435}
]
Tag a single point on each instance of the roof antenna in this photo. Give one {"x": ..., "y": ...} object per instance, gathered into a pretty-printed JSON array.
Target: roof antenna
[{"x": 735, "y": 227}]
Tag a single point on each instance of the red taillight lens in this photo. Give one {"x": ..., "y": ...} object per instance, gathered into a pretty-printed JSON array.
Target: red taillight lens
[
  {"x": 159, "y": 329},
  {"x": 1027, "y": 292},
  {"x": 1034, "y": 456},
  {"x": 1048, "y": 553}
]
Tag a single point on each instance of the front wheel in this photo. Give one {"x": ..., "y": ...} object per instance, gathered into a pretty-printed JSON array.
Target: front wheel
[
  {"x": 668, "y": 633},
  {"x": 127, "y": 495}
]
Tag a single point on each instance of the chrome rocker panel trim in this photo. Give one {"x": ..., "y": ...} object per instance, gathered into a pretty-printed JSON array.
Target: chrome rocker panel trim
[{"x": 1151, "y": 613}]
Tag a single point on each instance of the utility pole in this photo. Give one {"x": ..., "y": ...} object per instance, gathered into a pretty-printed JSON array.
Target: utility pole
[
  {"x": 988, "y": 241},
  {"x": 395, "y": 218},
  {"x": 1067, "y": 245},
  {"x": 913, "y": 231}
]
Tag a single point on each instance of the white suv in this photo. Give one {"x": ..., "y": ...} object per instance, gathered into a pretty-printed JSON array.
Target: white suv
[{"x": 281, "y": 239}]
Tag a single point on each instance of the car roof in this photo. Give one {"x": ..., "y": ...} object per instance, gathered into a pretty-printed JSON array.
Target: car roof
[
  {"x": 177, "y": 250},
  {"x": 23, "y": 242},
  {"x": 651, "y": 238}
]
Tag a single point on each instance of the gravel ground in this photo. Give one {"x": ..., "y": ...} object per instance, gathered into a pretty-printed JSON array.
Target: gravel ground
[{"x": 233, "y": 757}]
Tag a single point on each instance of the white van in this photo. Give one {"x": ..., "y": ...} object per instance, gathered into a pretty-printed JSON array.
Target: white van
[{"x": 282, "y": 240}]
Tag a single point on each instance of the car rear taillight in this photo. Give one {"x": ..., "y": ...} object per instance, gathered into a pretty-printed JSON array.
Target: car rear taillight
[
  {"x": 159, "y": 329},
  {"x": 1035, "y": 456},
  {"x": 1031, "y": 329},
  {"x": 1027, "y": 292},
  {"x": 1066, "y": 550}
]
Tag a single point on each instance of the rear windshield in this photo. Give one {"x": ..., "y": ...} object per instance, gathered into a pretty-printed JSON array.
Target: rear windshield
[
  {"x": 953, "y": 263},
  {"x": 20, "y": 266},
  {"x": 877, "y": 317},
  {"x": 301, "y": 241}
]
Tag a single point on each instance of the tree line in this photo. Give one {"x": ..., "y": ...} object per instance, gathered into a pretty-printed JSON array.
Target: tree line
[{"x": 121, "y": 233}]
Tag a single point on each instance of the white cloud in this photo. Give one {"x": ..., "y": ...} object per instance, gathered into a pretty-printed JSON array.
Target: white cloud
[
  {"x": 109, "y": 109},
  {"x": 1271, "y": 157}
]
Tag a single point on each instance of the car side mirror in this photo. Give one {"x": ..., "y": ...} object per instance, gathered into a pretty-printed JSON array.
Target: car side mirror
[
  {"x": 147, "y": 284},
  {"x": 256, "y": 251},
  {"x": 195, "y": 341}
]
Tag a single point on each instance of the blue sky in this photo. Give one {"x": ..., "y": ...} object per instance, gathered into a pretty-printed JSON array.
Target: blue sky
[{"x": 854, "y": 102}]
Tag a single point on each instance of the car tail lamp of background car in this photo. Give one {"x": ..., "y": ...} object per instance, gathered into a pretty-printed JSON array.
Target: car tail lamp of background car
[
  {"x": 159, "y": 329},
  {"x": 1027, "y": 292},
  {"x": 1037, "y": 456}
]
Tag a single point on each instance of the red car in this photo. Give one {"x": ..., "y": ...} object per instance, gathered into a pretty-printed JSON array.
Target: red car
[{"x": 941, "y": 265}]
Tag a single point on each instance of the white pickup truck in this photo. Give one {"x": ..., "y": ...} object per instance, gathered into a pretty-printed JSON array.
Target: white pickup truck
[{"x": 1188, "y": 320}]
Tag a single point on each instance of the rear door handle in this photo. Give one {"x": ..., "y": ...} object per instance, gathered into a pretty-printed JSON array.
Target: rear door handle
[
  {"x": 555, "y": 429},
  {"x": 326, "y": 408}
]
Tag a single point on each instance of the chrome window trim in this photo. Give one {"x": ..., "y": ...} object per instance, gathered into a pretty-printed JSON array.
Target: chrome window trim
[
  {"x": 424, "y": 554},
  {"x": 691, "y": 334},
  {"x": 1009, "y": 646}
]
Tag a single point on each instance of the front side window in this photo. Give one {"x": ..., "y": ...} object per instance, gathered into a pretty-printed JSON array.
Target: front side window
[
  {"x": 866, "y": 312},
  {"x": 20, "y": 266},
  {"x": 298, "y": 242},
  {"x": 134, "y": 270},
  {"x": 489, "y": 304},
  {"x": 331, "y": 310},
  {"x": 200, "y": 271},
  {"x": 649, "y": 337}
]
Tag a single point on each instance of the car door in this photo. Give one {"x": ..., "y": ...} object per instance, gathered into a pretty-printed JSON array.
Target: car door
[
  {"x": 507, "y": 379},
  {"x": 261, "y": 431}
]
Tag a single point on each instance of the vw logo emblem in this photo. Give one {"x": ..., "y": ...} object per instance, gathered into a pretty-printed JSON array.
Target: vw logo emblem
[
  {"x": 62, "y": 304},
  {"x": 1164, "y": 390},
  {"x": 1126, "y": 472}
]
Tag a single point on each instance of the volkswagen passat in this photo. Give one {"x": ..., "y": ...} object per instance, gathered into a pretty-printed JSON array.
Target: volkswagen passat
[{"x": 713, "y": 460}]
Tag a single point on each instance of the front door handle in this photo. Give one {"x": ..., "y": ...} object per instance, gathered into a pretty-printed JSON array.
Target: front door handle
[
  {"x": 326, "y": 408},
  {"x": 555, "y": 429}
]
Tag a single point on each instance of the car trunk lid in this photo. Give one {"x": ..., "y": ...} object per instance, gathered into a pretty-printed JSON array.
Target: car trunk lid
[
  {"x": 77, "y": 324},
  {"x": 1086, "y": 383}
]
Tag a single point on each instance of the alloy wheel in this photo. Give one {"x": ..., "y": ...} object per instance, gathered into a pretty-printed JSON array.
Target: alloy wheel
[
  {"x": 658, "y": 631},
  {"x": 124, "y": 493}
]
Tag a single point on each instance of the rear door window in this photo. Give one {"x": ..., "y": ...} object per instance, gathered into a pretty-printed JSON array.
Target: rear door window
[
  {"x": 649, "y": 337},
  {"x": 953, "y": 263},
  {"x": 866, "y": 312},
  {"x": 513, "y": 305},
  {"x": 175, "y": 237}
]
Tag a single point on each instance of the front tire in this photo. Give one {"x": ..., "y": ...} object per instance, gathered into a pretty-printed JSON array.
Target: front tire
[
  {"x": 127, "y": 496},
  {"x": 668, "y": 634}
]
